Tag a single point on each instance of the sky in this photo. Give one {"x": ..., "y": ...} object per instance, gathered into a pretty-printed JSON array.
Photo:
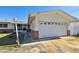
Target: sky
[{"x": 22, "y": 12}]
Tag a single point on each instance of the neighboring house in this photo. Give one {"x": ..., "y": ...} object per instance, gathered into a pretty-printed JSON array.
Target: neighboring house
[
  {"x": 50, "y": 24},
  {"x": 74, "y": 28},
  {"x": 8, "y": 26}
]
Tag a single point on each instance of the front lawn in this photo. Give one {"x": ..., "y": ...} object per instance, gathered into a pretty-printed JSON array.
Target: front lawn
[
  {"x": 8, "y": 40},
  {"x": 4, "y": 34}
]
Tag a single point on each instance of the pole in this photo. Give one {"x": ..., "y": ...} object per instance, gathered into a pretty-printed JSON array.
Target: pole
[{"x": 16, "y": 32}]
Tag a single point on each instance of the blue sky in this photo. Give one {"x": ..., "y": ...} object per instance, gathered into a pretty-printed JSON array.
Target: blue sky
[{"x": 21, "y": 12}]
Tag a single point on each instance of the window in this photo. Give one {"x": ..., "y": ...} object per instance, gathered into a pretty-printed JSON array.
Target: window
[
  {"x": 58, "y": 23},
  {"x": 55, "y": 23},
  {"x": 19, "y": 25},
  {"x": 44, "y": 22},
  {"x": 62, "y": 23},
  {"x": 48, "y": 22},
  {"x": 40, "y": 23},
  {"x": 4, "y": 25},
  {"x": 52, "y": 23},
  {"x": 65, "y": 24},
  {"x": 0, "y": 25}
]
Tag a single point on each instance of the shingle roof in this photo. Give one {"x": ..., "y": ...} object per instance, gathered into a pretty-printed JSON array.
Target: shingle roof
[
  {"x": 59, "y": 11},
  {"x": 11, "y": 21}
]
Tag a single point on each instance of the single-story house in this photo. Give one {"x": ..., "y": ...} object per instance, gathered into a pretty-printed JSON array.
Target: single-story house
[
  {"x": 74, "y": 28},
  {"x": 50, "y": 24},
  {"x": 9, "y": 26}
]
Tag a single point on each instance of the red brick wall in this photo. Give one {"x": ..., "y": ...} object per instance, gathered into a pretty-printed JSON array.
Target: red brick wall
[
  {"x": 68, "y": 32},
  {"x": 6, "y": 30},
  {"x": 35, "y": 34}
]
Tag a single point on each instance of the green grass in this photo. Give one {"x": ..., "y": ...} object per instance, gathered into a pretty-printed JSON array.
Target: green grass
[
  {"x": 8, "y": 40},
  {"x": 4, "y": 34}
]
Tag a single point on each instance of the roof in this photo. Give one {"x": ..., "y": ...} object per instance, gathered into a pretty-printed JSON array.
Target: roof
[
  {"x": 11, "y": 21},
  {"x": 70, "y": 18}
]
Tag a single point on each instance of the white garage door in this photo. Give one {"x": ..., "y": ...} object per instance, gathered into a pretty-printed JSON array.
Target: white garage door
[{"x": 52, "y": 31}]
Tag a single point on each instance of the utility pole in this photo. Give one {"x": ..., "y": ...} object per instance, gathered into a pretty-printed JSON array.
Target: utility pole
[{"x": 17, "y": 36}]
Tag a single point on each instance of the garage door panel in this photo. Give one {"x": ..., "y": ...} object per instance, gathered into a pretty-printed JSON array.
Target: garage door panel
[{"x": 51, "y": 31}]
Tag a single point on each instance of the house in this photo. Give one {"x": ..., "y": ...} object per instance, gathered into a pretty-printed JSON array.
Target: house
[
  {"x": 8, "y": 26},
  {"x": 74, "y": 28},
  {"x": 50, "y": 24}
]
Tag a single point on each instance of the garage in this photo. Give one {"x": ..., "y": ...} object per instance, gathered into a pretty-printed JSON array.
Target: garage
[
  {"x": 51, "y": 24},
  {"x": 48, "y": 29}
]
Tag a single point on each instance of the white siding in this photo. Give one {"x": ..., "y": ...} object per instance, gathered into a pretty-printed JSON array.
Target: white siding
[
  {"x": 9, "y": 26},
  {"x": 34, "y": 25},
  {"x": 51, "y": 30},
  {"x": 74, "y": 28}
]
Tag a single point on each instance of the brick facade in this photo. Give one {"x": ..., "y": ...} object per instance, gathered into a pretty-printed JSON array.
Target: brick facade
[
  {"x": 6, "y": 30},
  {"x": 35, "y": 34},
  {"x": 68, "y": 32}
]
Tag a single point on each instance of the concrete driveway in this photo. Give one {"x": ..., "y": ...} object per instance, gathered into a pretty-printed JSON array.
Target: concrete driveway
[
  {"x": 67, "y": 44},
  {"x": 68, "y": 38},
  {"x": 54, "y": 46}
]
